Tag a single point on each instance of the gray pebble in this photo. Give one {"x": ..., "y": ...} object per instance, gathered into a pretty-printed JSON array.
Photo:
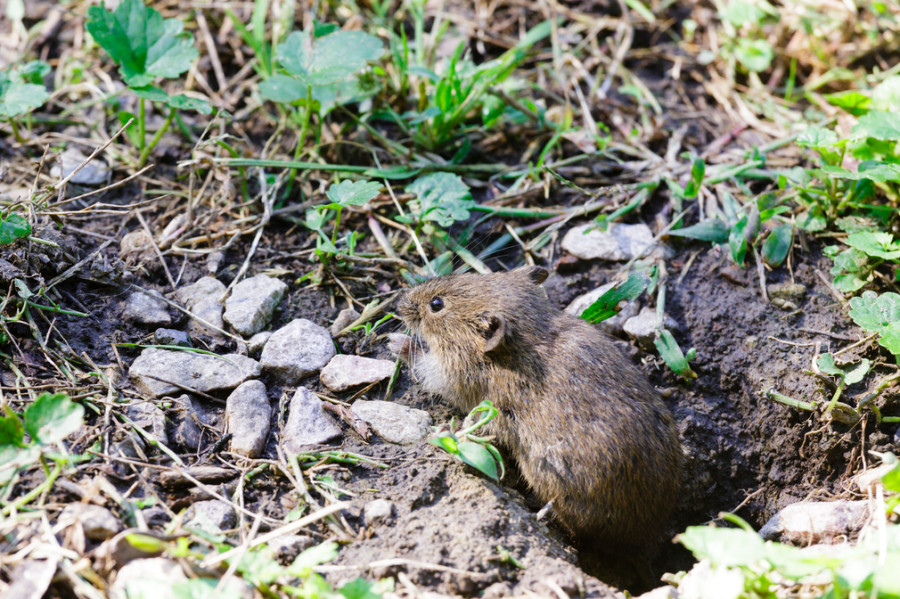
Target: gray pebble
[
  {"x": 307, "y": 425},
  {"x": 146, "y": 308},
  {"x": 296, "y": 350},
  {"x": 247, "y": 414},
  {"x": 155, "y": 369},
  {"x": 345, "y": 371},
  {"x": 393, "y": 423},
  {"x": 252, "y": 302},
  {"x": 172, "y": 337}
]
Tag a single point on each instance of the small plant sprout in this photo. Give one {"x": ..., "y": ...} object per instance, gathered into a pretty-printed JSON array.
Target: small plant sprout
[
  {"x": 47, "y": 421},
  {"x": 342, "y": 195},
  {"x": 846, "y": 376},
  {"x": 21, "y": 91},
  {"x": 476, "y": 452},
  {"x": 147, "y": 48},
  {"x": 368, "y": 327}
]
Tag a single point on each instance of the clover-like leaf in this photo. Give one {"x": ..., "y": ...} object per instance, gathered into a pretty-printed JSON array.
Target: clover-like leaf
[
  {"x": 14, "y": 226},
  {"x": 353, "y": 193},
  {"x": 52, "y": 418},
  {"x": 875, "y": 243},
  {"x": 141, "y": 42},
  {"x": 442, "y": 197}
]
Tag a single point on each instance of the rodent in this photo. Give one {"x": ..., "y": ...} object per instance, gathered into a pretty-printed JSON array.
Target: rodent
[{"x": 588, "y": 431}]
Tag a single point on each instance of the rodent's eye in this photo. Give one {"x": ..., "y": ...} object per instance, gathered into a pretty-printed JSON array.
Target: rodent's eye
[{"x": 436, "y": 304}]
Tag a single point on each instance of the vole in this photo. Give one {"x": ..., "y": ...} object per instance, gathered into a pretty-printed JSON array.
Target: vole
[{"x": 588, "y": 431}]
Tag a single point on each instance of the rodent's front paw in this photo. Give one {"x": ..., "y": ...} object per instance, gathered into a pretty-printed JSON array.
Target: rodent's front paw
[{"x": 400, "y": 345}]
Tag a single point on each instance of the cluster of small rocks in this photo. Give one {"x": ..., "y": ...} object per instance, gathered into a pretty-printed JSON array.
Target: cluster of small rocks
[{"x": 286, "y": 356}]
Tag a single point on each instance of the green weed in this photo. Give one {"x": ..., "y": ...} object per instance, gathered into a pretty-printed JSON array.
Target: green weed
[
  {"x": 476, "y": 452},
  {"x": 147, "y": 48},
  {"x": 21, "y": 91}
]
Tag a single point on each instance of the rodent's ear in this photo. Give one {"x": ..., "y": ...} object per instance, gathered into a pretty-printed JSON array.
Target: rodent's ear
[
  {"x": 494, "y": 331},
  {"x": 536, "y": 274}
]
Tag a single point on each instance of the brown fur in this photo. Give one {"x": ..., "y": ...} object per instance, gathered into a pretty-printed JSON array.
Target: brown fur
[{"x": 586, "y": 428}]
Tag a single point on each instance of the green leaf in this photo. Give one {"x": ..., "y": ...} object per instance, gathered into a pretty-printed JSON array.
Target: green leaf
[
  {"x": 11, "y": 431},
  {"x": 873, "y": 171},
  {"x": 877, "y": 244},
  {"x": 183, "y": 102},
  {"x": 328, "y": 59},
  {"x": 200, "y": 588},
  {"x": 672, "y": 355},
  {"x": 777, "y": 245},
  {"x": 698, "y": 171},
  {"x": 817, "y": 137},
  {"x": 14, "y": 227},
  {"x": 17, "y": 98},
  {"x": 711, "y": 229},
  {"x": 353, "y": 193},
  {"x": 314, "y": 556},
  {"x": 477, "y": 456},
  {"x": 442, "y": 197},
  {"x": 826, "y": 365},
  {"x": 891, "y": 479},
  {"x": 133, "y": 131},
  {"x": 853, "y": 101},
  {"x": 755, "y": 55},
  {"x": 259, "y": 568},
  {"x": 857, "y": 374},
  {"x": 724, "y": 546},
  {"x": 737, "y": 240},
  {"x": 359, "y": 589},
  {"x": 52, "y": 418},
  {"x": 607, "y": 304},
  {"x": 886, "y": 95},
  {"x": 740, "y": 13},
  {"x": 282, "y": 88},
  {"x": 879, "y": 314},
  {"x": 141, "y": 42},
  {"x": 878, "y": 124},
  {"x": 447, "y": 442}
]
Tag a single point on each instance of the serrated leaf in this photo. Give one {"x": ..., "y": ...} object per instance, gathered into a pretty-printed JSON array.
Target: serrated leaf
[
  {"x": 672, "y": 355},
  {"x": 14, "y": 227},
  {"x": 877, "y": 244},
  {"x": 890, "y": 340},
  {"x": 607, "y": 304},
  {"x": 328, "y": 59},
  {"x": 756, "y": 55},
  {"x": 441, "y": 197},
  {"x": 141, "y": 42},
  {"x": 478, "y": 457},
  {"x": 817, "y": 137},
  {"x": 777, "y": 245},
  {"x": 876, "y": 313},
  {"x": 353, "y": 193},
  {"x": 878, "y": 124},
  {"x": 52, "y": 418},
  {"x": 849, "y": 282},
  {"x": 17, "y": 98}
]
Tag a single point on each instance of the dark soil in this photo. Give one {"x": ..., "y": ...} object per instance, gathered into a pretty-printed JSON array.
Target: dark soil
[{"x": 744, "y": 452}]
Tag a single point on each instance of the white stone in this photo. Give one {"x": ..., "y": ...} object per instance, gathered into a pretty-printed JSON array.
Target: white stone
[
  {"x": 247, "y": 413},
  {"x": 213, "y": 512},
  {"x": 258, "y": 341},
  {"x": 252, "y": 302},
  {"x": 203, "y": 299},
  {"x": 809, "y": 522},
  {"x": 146, "y": 308},
  {"x": 345, "y": 371},
  {"x": 392, "y": 422},
  {"x": 618, "y": 243},
  {"x": 643, "y": 327},
  {"x": 296, "y": 350},
  {"x": 95, "y": 172},
  {"x": 378, "y": 511},
  {"x": 154, "y": 371},
  {"x": 307, "y": 425}
]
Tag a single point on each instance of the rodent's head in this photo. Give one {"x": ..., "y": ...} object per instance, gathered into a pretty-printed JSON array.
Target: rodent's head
[{"x": 477, "y": 314}]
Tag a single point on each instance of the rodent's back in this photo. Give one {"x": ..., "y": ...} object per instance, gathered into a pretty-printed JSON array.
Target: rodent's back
[{"x": 587, "y": 429}]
